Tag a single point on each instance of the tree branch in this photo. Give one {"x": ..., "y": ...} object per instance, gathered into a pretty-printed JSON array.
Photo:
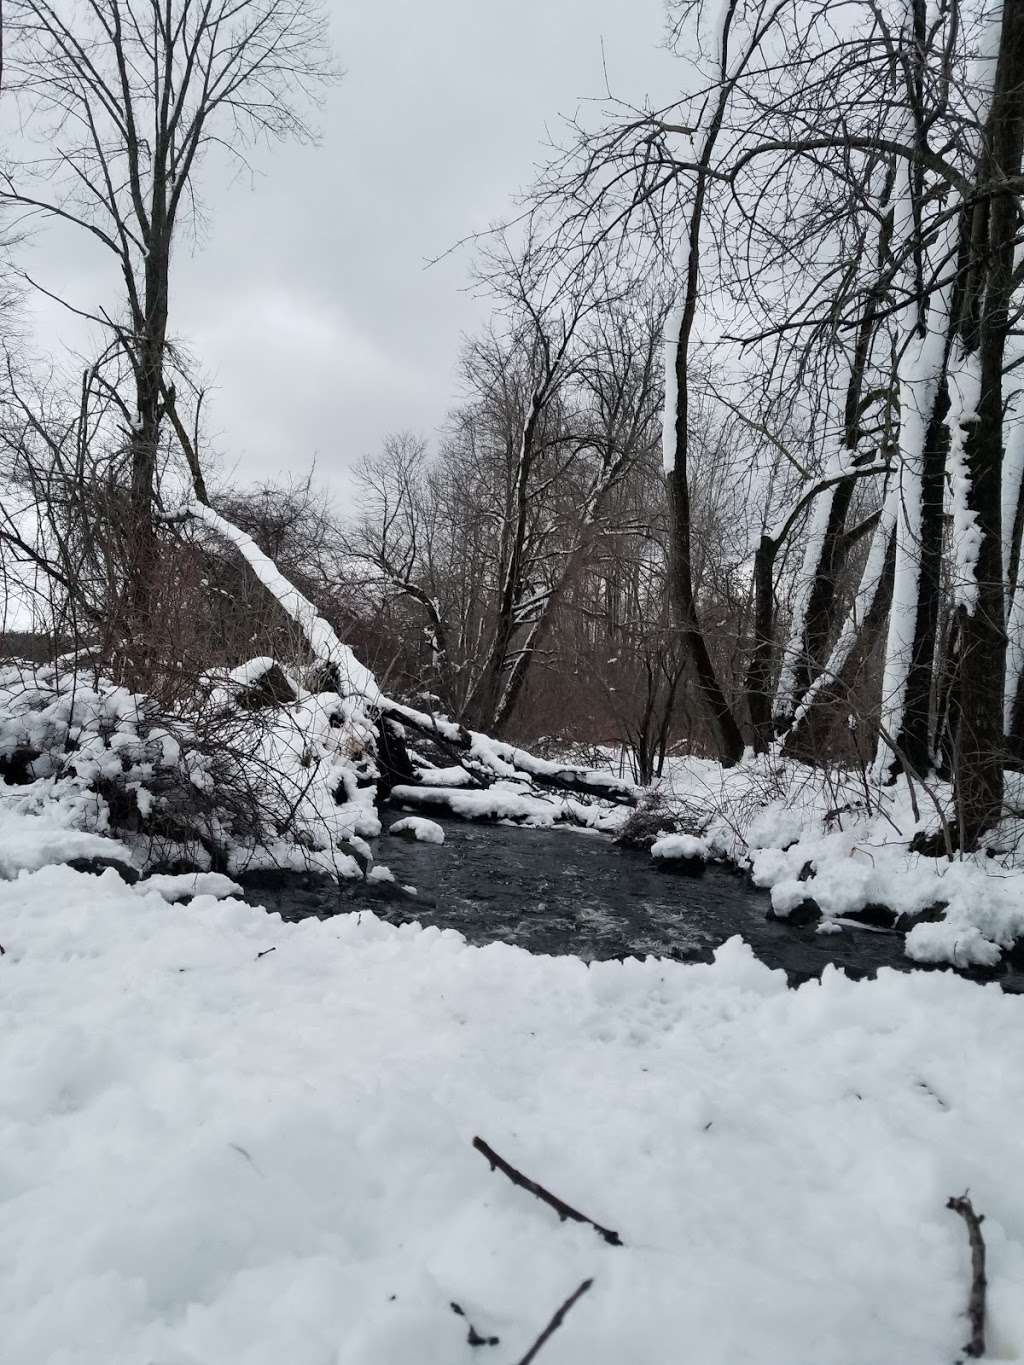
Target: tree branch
[
  {"x": 975, "y": 1348},
  {"x": 524, "y": 1182}
]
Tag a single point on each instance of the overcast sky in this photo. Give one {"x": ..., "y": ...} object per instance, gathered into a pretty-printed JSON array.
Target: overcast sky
[{"x": 306, "y": 301}]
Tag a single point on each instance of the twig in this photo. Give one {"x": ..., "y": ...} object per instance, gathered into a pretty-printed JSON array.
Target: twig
[
  {"x": 474, "y": 1338},
  {"x": 976, "y": 1299},
  {"x": 563, "y": 1209},
  {"x": 555, "y": 1322}
]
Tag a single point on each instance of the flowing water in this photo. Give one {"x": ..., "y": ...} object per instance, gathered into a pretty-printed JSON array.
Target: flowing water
[{"x": 560, "y": 891}]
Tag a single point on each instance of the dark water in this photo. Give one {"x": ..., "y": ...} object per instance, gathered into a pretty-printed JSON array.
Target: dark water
[{"x": 559, "y": 891}]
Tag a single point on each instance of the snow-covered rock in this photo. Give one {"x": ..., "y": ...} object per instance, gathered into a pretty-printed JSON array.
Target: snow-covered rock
[
  {"x": 684, "y": 847},
  {"x": 188, "y": 885},
  {"x": 415, "y": 827}
]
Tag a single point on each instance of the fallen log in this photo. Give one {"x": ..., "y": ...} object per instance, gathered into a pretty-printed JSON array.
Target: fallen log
[
  {"x": 481, "y": 755},
  {"x": 487, "y": 806}
]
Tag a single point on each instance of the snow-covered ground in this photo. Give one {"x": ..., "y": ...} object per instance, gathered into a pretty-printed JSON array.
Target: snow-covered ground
[{"x": 226, "y": 1140}]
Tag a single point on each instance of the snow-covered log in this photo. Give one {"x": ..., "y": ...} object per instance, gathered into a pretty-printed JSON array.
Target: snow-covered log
[
  {"x": 355, "y": 679},
  {"x": 494, "y": 758}
]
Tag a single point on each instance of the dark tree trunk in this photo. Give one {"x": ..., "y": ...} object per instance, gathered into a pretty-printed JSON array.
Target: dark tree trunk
[
  {"x": 982, "y": 631},
  {"x": 148, "y": 358},
  {"x": 820, "y": 613},
  {"x": 758, "y": 682},
  {"x": 727, "y": 736}
]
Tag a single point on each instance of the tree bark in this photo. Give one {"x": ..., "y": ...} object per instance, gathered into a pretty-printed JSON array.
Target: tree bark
[{"x": 982, "y": 628}]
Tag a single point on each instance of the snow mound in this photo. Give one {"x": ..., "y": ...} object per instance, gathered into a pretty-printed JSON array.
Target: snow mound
[
  {"x": 423, "y": 831},
  {"x": 685, "y": 846},
  {"x": 187, "y": 885}
]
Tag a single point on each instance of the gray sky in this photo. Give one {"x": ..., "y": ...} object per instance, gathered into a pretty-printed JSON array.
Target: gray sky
[{"x": 306, "y": 301}]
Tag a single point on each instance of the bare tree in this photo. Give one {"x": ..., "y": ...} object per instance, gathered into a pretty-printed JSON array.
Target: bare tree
[{"x": 124, "y": 100}]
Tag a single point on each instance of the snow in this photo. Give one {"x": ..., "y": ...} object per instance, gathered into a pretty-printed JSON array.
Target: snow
[
  {"x": 500, "y": 801},
  {"x": 212, "y": 1153},
  {"x": 186, "y": 885},
  {"x": 245, "y": 675},
  {"x": 964, "y": 390},
  {"x": 453, "y": 776},
  {"x": 686, "y": 846},
  {"x": 293, "y": 787},
  {"x": 30, "y": 841},
  {"x": 356, "y": 679},
  {"x": 501, "y": 759},
  {"x": 423, "y": 831}
]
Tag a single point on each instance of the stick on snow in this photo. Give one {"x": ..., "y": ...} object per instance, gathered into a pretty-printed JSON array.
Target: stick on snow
[
  {"x": 474, "y": 1338},
  {"x": 524, "y": 1182},
  {"x": 975, "y": 1348},
  {"x": 555, "y": 1322}
]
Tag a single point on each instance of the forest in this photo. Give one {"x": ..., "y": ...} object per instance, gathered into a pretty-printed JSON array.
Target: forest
[{"x": 714, "y": 567}]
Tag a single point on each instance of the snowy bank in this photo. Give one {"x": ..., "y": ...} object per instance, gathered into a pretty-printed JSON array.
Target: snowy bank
[
  {"x": 229, "y": 1139},
  {"x": 217, "y": 786},
  {"x": 842, "y": 844}
]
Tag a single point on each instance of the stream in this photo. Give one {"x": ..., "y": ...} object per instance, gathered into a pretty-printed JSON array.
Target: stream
[{"x": 559, "y": 891}]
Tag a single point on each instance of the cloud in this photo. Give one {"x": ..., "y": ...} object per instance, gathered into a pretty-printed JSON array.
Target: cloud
[{"x": 305, "y": 298}]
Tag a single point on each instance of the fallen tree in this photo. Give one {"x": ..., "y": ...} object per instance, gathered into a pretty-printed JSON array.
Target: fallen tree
[{"x": 484, "y": 759}]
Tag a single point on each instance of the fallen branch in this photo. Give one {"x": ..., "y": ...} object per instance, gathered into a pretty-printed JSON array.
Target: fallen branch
[
  {"x": 555, "y": 1322},
  {"x": 979, "y": 1284},
  {"x": 524, "y": 1182}
]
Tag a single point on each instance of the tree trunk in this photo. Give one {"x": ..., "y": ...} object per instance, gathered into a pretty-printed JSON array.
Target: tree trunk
[
  {"x": 982, "y": 657},
  {"x": 759, "y": 671},
  {"x": 727, "y": 736},
  {"x": 483, "y": 705},
  {"x": 913, "y": 734},
  {"x": 148, "y": 360}
]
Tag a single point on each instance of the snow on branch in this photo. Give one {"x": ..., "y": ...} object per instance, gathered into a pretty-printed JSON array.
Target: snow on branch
[
  {"x": 964, "y": 377},
  {"x": 354, "y": 678}
]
